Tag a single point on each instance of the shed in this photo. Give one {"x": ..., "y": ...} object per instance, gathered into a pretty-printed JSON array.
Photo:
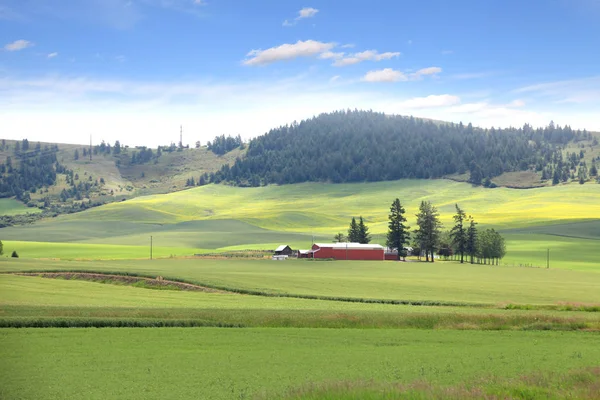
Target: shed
[
  {"x": 348, "y": 251},
  {"x": 304, "y": 254},
  {"x": 283, "y": 250}
]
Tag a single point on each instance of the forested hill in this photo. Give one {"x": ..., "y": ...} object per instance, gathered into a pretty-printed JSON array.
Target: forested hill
[{"x": 355, "y": 146}]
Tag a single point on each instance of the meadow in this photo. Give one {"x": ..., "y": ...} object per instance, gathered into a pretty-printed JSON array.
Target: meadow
[
  {"x": 221, "y": 363},
  {"x": 565, "y": 219},
  {"x": 300, "y": 329}
]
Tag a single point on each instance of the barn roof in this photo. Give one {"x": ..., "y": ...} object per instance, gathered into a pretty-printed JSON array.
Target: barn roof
[
  {"x": 353, "y": 246},
  {"x": 282, "y": 247}
]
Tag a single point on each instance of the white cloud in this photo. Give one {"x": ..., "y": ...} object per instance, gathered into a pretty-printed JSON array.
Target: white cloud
[
  {"x": 432, "y": 101},
  {"x": 517, "y": 103},
  {"x": 18, "y": 45},
  {"x": 200, "y": 2},
  {"x": 308, "y": 48},
  {"x": 150, "y": 112},
  {"x": 368, "y": 55},
  {"x": 307, "y": 12},
  {"x": 52, "y": 55},
  {"x": 428, "y": 71},
  {"x": 384, "y": 75},
  {"x": 334, "y": 78},
  {"x": 121, "y": 58},
  {"x": 391, "y": 75},
  {"x": 347, "y": 46},
  {"x": 329, "y": 54},
  {"x": 574, "y": 91}
]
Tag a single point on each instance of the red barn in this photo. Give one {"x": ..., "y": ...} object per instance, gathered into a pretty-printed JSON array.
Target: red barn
[{"x": 348, "y": 251}]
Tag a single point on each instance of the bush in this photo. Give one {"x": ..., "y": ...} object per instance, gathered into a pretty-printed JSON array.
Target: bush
[{"x": 14, "y": 254}]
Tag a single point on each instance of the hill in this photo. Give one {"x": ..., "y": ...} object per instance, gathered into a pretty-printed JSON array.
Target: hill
[
  {"x": 65, "y": 178},
  {"x": 226, "y": 218},
  {"x": 359, "y": 146}
]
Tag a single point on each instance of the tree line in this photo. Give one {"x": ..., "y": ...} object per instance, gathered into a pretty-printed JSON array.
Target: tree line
[
  {"x": 222, "y": 145},
  {"x": 357, "y": 146}
]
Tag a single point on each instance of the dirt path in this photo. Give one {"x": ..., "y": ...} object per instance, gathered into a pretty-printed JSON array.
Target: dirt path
[{"x": 121, "y": 279}]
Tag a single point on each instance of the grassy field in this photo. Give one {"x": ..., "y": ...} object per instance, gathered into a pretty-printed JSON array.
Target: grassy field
[
  {"x": 449, "y": 282},
  {"x": 217, "y": 363},
  {"x": 222, "y": 218},
  {"x": 14, "y": 207}
]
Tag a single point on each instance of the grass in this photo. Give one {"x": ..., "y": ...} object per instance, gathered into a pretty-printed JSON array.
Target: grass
[
  {"x": 222, "y": 218},
  {"x": 241, "y": 363},
  {"x": 442, "y": 282},
  {"x": 580, "y": 384},
  {"x": 15, "y": 207},
  {"x": 36, "y": 301}
]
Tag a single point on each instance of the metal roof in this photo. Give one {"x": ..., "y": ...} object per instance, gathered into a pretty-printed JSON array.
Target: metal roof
[
  {"x": 281, "y": 248},
  {"x": 353, "y": 246}
]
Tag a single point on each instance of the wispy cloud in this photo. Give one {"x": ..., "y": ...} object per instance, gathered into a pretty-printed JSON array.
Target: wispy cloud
[
  {"x": 308, "y": 48},
  {"x": 392, "y": 75},
  {"x": 577, "y": 91},
  {"x": 52, "y": 55},
  {"x": 18, "y": 45},
  {"x": 431, "y": 101},
  {"x": 306, "y": 12},
  {"x": 368, "y": 55}
]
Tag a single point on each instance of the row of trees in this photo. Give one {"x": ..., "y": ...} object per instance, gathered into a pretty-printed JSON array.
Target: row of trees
[
  {"x": 222, "y": 145},
  {"x": 462, "y": 240},
  {"x": 14, "y": 253}
]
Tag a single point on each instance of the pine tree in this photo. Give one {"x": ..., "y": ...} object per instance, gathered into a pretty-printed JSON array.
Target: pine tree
[
  {"x": 458, "y": 232},
  {"x": 364, "y": 236},
  {"x": 429, "y": 226},
  {"x": 353, "y": 234},
  {"x": 1, "y": 248},
  {"x": 76, "y": 155},
  {"x": 398, "y": 233},
  {"x": 471, "y": 244}
]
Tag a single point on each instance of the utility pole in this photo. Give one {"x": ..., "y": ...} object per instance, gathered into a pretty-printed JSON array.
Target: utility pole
[
  {"x": 151, "y": 247},
  {"x": 548, "y": 259},
  {"x": 90, "y": 147},
  {"x": 181, "y": 136}
]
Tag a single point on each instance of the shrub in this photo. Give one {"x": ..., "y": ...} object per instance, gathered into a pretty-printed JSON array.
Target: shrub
[{"x": 14, "y": 254}]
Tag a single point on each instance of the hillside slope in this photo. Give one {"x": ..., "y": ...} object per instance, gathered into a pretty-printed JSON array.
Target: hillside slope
[{"x": 359, "y": 146}]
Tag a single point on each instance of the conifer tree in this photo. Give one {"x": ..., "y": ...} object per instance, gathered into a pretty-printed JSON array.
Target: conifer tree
[
  {"x": 429, "y": 226},
  {"x": 353, "y": 234},
  {"x": 398, "y": 233},
  {"x": 364, "y": 236},
  {"x": 471, "y": 244},
  {"x": 458, "y": 232}
]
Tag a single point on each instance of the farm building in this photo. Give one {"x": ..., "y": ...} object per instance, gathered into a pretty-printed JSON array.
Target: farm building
[
  {"x": 283, "y": 250},
  {"x": 348, "y": 251},
  {"x": 304, "y": 253}
]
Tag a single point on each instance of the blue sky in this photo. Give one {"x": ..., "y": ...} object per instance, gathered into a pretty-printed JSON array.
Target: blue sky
[{"x": 135, "y": 70}]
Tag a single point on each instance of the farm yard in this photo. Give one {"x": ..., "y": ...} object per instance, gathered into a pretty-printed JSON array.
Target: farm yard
[{"x": 84, "y": 310}]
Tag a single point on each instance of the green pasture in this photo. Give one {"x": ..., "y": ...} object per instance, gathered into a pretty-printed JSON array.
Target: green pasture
[
  {"x": 27, "y": 298},
  {"x": 14, "y": 207},
  {"x": 217, "y": 363},
  {"x": 327, "y": 208},
  {"x": 440, "y": 281}
]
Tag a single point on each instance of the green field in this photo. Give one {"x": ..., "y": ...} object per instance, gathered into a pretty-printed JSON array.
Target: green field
[
  {"x": 271, "y": 330},
  {"x": 14, "y": 207},
  {"x": 361, "y": 279},
  {"x": 565, "y": 219},
  {"x": 216, "y": 363}
]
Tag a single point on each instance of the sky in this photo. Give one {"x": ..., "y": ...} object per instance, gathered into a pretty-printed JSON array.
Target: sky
[{"x": 138, "y": 70}]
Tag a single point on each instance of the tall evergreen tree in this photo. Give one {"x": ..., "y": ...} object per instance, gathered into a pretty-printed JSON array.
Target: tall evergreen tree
[
  {"x": 398, "y": 233},
  {"x": 353, "y": 233},
  {"x": 458, "y": 232},
  {"x": 471, "y": 243},
  {"x": 364, "y": 236},
  {"x": 1, "y": 248},
  {"x": 429, "y": 226}
]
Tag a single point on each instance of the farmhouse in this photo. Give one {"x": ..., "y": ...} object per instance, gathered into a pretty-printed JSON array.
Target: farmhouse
[
  {"x": 348, "y": 251},
  {"x": 283, "y": 250}
]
